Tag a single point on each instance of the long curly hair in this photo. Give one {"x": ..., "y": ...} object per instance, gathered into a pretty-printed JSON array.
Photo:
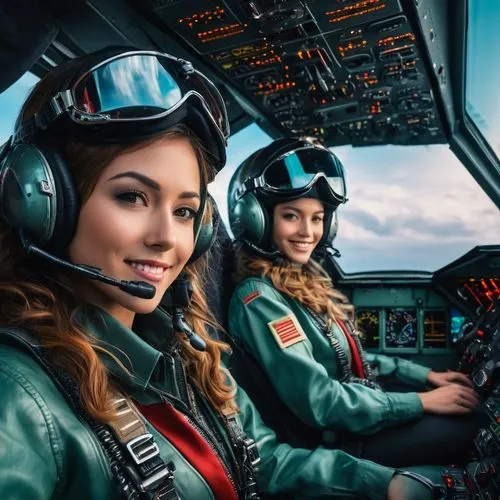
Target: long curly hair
[
  {"x": 49, "y": 307},
  {"x": 308, "y": 284}
]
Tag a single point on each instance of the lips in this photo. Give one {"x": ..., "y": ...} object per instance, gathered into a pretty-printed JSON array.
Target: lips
[
  {"x": 301, "y": 246},
  {"x": 149, "y": 271}
]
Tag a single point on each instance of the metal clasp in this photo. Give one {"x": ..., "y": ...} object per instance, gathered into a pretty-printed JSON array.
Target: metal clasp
[
  {"x": 143, "y": 448},
  {"x": 252, "y": 451}
]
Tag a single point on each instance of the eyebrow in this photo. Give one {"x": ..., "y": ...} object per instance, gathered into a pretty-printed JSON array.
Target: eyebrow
[
  {"x": 141, "y": 178},
  {"x": 151, "y": 183},
  {"x": 300, "y": 211}
]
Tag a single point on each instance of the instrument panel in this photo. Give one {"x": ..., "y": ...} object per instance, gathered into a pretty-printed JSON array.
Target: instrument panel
[{"x": 346, "y": 71}]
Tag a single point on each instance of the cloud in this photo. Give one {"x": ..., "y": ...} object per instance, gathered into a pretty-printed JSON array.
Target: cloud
[{"x": 415, "y": 201}]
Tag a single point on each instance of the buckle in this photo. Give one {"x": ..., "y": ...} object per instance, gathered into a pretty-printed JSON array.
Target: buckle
[
  {"x": 252, "y": 451},
  {"x": 157, "y": 479},
  {"x": 143, "y": 448}
]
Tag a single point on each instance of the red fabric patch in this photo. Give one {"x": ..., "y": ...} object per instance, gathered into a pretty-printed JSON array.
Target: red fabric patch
[
  {"x": 286, "y": 331},
  {"x": 357, "y": 365},
  {"x": 173, "y": 425},
  {"x": 251, "y": 296}
]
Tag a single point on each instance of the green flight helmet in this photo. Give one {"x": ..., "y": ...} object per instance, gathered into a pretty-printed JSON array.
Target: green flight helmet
[{"x": 300, "y": 167}]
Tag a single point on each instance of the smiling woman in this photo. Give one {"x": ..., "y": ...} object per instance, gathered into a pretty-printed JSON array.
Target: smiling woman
[{"x": 294, "y": 329}]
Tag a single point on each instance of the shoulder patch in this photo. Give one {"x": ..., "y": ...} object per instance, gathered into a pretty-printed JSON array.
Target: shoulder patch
[
  {"x": 251, "y": 296},
  {"x": 287, "y": 331}
]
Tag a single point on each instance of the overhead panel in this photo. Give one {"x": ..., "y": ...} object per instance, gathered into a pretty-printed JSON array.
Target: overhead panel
[{"x": 347, "y": 71}]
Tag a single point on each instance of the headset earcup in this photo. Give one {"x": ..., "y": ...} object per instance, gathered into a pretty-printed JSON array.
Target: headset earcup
[
  {"x": 331, "y": 228},
  {"x": 28, "y": 194},
  {"x": 204, "y": 240},
  {"x": 249, "y": 221},
  {"x": 67, "y": 204}
]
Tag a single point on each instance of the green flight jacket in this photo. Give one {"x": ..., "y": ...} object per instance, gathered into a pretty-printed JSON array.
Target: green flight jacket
[
  {"x": 47, "y": 452},
  {"x": 302, "y": 365}
]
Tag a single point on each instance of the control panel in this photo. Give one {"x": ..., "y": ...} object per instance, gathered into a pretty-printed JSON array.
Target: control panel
[{"x": 346, "y": 71}]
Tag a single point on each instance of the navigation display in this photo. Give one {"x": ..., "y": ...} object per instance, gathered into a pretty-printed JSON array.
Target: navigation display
[
  {"x": 435, "y": 328},
  {"x": 367, "y": 323},
  {"x": 401, "y": 328}
]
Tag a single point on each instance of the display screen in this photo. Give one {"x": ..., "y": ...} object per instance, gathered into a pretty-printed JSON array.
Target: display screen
[
  {"x": 401, "y": 328},
  {"x": 368, "y": 325},
  {"x": 435, "y": 328},
  {"x": 457, "y": 319}
]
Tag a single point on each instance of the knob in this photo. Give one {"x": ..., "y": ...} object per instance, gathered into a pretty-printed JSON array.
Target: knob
[{"x": 480, "y": 378}]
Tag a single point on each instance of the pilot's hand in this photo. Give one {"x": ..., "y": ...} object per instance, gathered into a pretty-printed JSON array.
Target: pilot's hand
[
  {"x": 453, "y": 399},
  {"x": 440, "y": 379},
  {"x": 411, "y": 486}
]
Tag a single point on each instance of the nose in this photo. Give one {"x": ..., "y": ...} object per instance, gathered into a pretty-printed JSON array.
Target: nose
[
  {"x": 161, "y": 233},
  {"x": 305, "y": 228}
]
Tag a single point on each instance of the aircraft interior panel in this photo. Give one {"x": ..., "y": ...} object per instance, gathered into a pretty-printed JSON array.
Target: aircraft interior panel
[
  {"x": 349, "y": 72},
  {"x": 401, "y": 319},
  {"x": 455, "y": 314}
]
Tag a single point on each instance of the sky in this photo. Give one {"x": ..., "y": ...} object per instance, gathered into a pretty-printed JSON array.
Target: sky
[{"x": 412, "y": 208}]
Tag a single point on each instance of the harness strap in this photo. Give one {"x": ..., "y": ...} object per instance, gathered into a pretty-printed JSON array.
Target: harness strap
[{"x": 132, "y": 452}]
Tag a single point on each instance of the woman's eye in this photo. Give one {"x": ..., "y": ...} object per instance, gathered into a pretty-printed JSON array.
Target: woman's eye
[
  {"x": 186, "y": 213},
  {"x": 133, "y": 198},
  {"x": 289, "y": 216},
  {"x": 318, "y": 219}
]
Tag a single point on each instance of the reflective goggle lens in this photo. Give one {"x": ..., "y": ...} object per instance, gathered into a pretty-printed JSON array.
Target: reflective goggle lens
[
  {"x": 297, "y": 170},
  {"x": 144, "y": 86}
]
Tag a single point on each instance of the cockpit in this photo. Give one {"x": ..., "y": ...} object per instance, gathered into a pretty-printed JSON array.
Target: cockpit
[{"x": 405, "y": 92}]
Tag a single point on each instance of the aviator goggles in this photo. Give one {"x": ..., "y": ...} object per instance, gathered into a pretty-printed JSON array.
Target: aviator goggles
[
  {"x": 294, "y": 173},
  {"x": 134, "y": 88}
]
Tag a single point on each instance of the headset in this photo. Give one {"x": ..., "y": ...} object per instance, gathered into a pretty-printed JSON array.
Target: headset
[{"x": 250, "y": 210}]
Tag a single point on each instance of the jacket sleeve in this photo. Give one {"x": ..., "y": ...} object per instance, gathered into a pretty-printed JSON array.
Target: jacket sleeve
[
  {"x": 302, "y": 383},
  {"x": 319, "y": 473},
  {"x": 28, "y": 463},
  {"x": 402, "y": 369}
]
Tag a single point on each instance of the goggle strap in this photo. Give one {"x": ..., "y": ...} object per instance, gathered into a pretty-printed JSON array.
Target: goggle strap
[
  {"x": 47, "y": 114},
  {"x": 251, "y": 185}
]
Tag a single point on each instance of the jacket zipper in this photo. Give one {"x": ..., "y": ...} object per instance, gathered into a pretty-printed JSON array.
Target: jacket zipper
[{"x": 191, "y": 417}]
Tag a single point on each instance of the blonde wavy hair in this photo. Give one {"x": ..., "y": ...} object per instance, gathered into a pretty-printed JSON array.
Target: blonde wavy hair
[
  {"x": 49, "y": 308},
  {"x": 308, "y": 284}
]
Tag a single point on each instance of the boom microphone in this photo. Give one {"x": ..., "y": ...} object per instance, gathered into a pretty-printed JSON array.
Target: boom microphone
[{"x": 139, "y": 289}]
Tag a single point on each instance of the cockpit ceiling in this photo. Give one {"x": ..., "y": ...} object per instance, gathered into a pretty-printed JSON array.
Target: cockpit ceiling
[{"x": 347, "y": 71}]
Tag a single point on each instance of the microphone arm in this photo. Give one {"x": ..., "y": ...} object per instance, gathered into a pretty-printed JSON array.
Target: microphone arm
[
  {"x": 180, "y": 325},
  {"x": 139, "y": 289},
  {"x": 175, "y": 301}
]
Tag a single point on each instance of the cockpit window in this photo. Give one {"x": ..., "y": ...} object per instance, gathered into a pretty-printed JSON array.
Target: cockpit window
[
  {"x": 482, "y": 92},
  {"x": 10, "y": 104},
  {"x": 409, "y": 208}
]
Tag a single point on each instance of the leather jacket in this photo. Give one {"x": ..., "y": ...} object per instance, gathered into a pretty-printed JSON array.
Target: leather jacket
[
  {"x": 47, "y": 452},
  {"x": 304, "y": 371}
]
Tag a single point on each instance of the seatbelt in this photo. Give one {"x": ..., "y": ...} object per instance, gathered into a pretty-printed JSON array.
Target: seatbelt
[{"x": 132, "y": 452}]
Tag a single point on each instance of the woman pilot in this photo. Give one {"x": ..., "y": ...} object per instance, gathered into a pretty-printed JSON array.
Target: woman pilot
[
  {"x": 288, "y": 317},
  {"x": 104, "y": 394}
]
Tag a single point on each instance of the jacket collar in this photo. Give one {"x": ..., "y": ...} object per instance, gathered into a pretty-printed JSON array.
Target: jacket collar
[{"x": 138, "y": 350}]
